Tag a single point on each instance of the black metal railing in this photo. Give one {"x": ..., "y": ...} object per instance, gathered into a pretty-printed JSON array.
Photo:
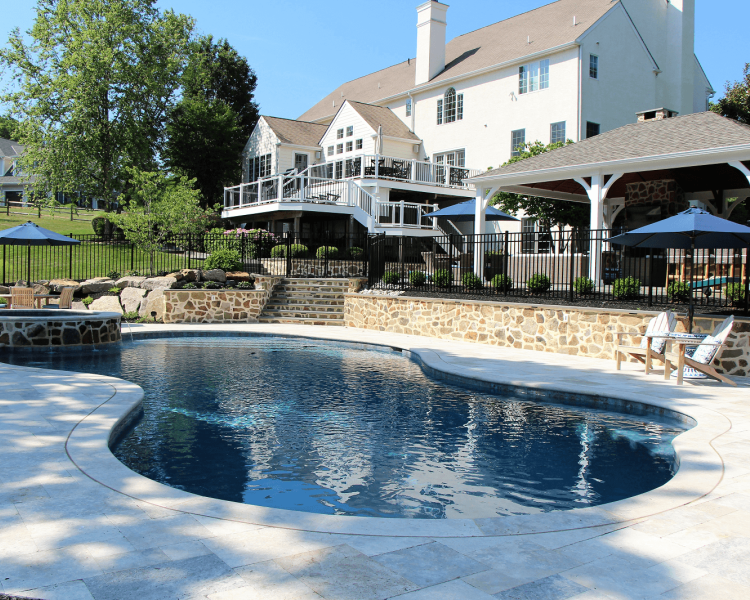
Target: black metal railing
[
  {"x": 288, "y": 254},
  {"x": 576, "y": 266}
]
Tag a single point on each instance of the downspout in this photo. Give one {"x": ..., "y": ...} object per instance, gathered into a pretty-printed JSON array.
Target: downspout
[{"x": 580, "y": 90}]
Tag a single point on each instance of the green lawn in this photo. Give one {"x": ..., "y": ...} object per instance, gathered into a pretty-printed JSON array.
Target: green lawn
[{"x": 60, "y": 223}]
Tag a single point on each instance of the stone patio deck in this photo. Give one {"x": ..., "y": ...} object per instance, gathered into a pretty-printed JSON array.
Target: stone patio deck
[{"x": 75, "y": 524}]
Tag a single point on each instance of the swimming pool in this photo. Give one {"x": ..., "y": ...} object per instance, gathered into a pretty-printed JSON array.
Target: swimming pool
[{"x": 329, "y": 428}]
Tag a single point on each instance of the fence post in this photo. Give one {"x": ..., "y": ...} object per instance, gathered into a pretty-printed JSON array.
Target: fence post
[
  {"x": 747, "y": 278},
  {"x": 325, "y": 256},
  {"x": 71, "y": 211},
  {"x": 70, "y": 261},
  {"x": 4, "y": 280},
  {"x": 288, "y": 254},
  {"x": 132, "y": 256},
  {"x": 572, "y": 263},
  {"x": 651, "y": 278}
]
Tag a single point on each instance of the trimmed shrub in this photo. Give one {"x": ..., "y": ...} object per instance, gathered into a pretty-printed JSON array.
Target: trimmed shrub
[
  {"x": 538, "y": 284},
  {"x": 332, "y": 252},
  {"x": 736, "y": 293},
  {"x": 191, "y": 285},
  {"x": 99, "y": 224},
  {"x": 226, "y": 260},
  {"x": 679, "y": 291},
  {"x": 442, "y": 277},
  {"x": 626, "y": 289},
  {"x": 471, "y": 282},
  {"x": 114, "y": 275},
  {"x": 297, "y": 251},
  {"x": 356, "y": 252},
  {"x": 246, "y": 285},
  {"x": 502, "y": 283},
  {"x": 583, "y": 286},
  {"x": 417, "y": 278},
  {"x": 391, "y": 278},
  {"x": 495, "y": 253},
  {"x": 87, "y": 300},
  {"x": 212, "y": 285}
]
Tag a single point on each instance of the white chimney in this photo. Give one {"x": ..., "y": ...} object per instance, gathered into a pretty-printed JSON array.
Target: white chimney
[
  {"x": 681, "y": 54},
  {"x": 431, "y": 20}
]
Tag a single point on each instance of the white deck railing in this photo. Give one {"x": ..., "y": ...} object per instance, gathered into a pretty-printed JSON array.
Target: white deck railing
[{"x": 304, "y": 188}]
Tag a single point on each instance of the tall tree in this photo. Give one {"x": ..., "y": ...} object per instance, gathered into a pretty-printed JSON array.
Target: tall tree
[
  {"x": 94, "y": 87},
  {"x": 209, "y": 127},
  {"x": 736, "y": 101},
  {"x": 545, "y": 210},
  {"x": 8, "y": 128}
]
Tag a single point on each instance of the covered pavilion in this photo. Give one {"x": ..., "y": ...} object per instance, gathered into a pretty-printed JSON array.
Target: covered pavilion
[{"x": 658, "y": 160}]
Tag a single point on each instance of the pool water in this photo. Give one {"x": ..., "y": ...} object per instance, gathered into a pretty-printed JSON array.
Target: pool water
[{"x": 326, "y": 428}]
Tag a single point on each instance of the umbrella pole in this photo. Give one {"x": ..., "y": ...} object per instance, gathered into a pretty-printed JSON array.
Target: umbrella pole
[{"x": 691, "y": 308}]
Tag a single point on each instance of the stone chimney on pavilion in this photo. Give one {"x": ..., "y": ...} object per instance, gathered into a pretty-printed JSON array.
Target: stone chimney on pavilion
[
  {"x": 656, "y": 114},
  {"x": 431, "y": 23}
]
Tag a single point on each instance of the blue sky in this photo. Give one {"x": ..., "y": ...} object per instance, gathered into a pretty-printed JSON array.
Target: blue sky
[{"x": 301, "y": 51}]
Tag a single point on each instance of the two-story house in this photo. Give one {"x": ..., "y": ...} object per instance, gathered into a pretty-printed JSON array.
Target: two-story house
[
  {"x": 12, "y": 184},
  {"x": 394, "y": 144}
]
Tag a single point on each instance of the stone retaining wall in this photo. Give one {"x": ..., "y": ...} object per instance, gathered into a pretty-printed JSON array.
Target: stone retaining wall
[
  {"x": 313, "y": 267},
  {"x": 565, "y": 330}
]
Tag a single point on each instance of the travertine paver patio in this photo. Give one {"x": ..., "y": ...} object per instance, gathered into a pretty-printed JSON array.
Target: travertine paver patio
[{"x": 75, "y": 524}]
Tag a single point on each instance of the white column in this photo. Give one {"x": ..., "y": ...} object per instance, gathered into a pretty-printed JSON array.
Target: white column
[{"x": 482, "y": 202}]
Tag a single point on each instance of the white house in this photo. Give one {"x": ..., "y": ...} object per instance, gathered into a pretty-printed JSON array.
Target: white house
[
  {"x": 12, "y": 184},
  {"x": 395, "y": 143}
]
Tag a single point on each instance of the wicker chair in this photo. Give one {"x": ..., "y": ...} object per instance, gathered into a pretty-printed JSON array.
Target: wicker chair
[{"x": 21, "y": 297}]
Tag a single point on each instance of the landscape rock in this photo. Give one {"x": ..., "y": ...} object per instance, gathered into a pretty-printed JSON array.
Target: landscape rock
[
  {"x": 78, "y": 306},
  {"x": 107, "y": 304},
  {"x": 96, "y": 285},
  {"x": 57, "y": 285},
  {"x": 129, "y": 282},
  {"x": 239, "y": 276},
  {"x": 40, "y": 289},
  {"x": 214, "y": 275},
  {"x": 191, "y": 274},
  {"x": 153, "y": 303},
  {"x": 131, "y": 299},
  {"x": 177, "y": 275},
  {"x": 4, "y": 289},
  {"x": 159, "y": 283}
]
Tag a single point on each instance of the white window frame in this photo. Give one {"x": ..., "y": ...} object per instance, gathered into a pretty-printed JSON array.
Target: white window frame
[
  {"x": 349, "y": 146},
  {"x": 340, "y": 134},
  {"x": 552, "y": 136},
  {"x": 599, "y": 129},
  {"x": 408, "y": 107},
  {"x": 514, "y": 144},
  {"x": 594, "y": 66},
  {"x": 533, "y": 77},
  {"x": 330, "y": 150},
  {"x": 350, "y": 131},
  {"x": 339, "y": 148},
  {"x": 359, "y": 143}
]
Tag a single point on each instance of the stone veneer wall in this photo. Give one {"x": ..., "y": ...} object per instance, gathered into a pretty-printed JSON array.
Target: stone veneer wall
[
  {"x": 587, "y": 332},
  {"x": 58, "y": 333},
  {"x": 313, "y": 267},
  {"x": 664, "y": 193}
]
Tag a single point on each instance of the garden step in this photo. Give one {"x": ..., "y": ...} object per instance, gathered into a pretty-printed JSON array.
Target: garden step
[
  {"x": 312, "y": 288},
  {"x": 305, "y": 295},
  {"x": 281, "y": 301},
  {"x": 329, "y": 322},
  {"x": 306, "y": 307},
  {"x": 301, "y": 314}
]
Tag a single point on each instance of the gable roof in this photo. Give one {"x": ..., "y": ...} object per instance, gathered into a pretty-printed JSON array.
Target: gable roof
[
  {"x": 548, "y": 27},
  {"x": 698, "y": 132},
  {"x": 297, "y": 133},
  {"x": 10, "y": 148},
  {"x": 376, "y": 116}
]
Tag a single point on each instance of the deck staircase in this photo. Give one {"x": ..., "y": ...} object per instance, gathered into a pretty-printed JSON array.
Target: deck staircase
[{"x": 307, "y": 302}]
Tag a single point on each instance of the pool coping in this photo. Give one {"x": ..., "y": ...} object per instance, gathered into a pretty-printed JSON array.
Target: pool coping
[{"x": 701, "y": 466}]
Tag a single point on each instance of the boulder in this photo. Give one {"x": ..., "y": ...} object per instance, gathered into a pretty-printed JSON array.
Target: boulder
[
  {"x": 56, "y": 285},
  {"x": 40, "y": 289},
  {"x": 78, "y": 306},
  {"x": 129, "y": 282},
  {"x": 153, "y": 303},
  {"x": 177, "y": 275},
  {"x": 107, "y": 304},
  {"x": 214, "y": 275},
  {"x": 239, "y": 276},
  {"x": 96, "y": 285},
  {"x": 4, "y": 289},
  {"x": 189, "y": 275},
  {"x": 159, "y": 283},
  {"x": 131, "y": 299}
]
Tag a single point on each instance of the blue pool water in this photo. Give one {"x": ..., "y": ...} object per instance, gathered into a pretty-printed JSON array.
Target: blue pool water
[{"x": 312, "y": 426}]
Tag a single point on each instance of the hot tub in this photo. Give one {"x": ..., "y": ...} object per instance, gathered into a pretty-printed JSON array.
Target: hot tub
[{"x": 54, "y": 328}]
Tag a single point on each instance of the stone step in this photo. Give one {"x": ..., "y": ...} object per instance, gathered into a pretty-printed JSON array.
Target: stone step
[
  {"x": 337, "y": 308},
  {"x": 302, "y": 314},
  {"x": 279, "y": 301},
  {"x": 312, "y": 288},
  {"x": 303, "y": 295},
  {"x": 328, "y": 322},
  {"x": 313, "y": 281}
]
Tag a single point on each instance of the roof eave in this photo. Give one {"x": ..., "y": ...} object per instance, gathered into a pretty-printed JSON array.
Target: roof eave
[{"x": 646, "y": 163}]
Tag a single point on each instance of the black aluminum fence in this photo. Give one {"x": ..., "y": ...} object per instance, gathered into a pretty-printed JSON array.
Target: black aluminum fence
[
  {"x": 96, "y": 256},
  {"x": 565, "y": 267}
]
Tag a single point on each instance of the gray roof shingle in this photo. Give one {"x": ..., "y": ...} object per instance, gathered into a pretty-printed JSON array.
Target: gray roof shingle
[
  {"x": 375, "y": 116},
  {"x": 298, "y": 133},
  {"x": 548, "y": 27},
  {"x": 10, "y": 148},
  {"x": 696, "y": 132}
]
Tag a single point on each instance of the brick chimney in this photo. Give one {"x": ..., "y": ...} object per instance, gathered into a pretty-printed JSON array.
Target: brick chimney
[
  {"x": 431, "y": 22},
  {"x": 656, "y": 114}
]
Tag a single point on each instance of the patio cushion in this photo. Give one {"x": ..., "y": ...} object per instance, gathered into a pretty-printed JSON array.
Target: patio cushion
[
  {"x": 705, "y": 353},
  {"x": 690, "y": 373}
]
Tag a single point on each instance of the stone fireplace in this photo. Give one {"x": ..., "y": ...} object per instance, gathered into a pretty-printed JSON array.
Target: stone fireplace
[{"x": 650, "y": 201}]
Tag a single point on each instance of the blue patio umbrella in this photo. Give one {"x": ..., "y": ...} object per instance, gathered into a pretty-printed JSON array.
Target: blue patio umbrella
[
  {"x": 30, "y": 234},
  {"x": 693, "y": 228},
  {"x": 465, "y": 211}
]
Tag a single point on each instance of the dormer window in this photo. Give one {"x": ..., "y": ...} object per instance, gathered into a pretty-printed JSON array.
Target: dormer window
[{"x": 450, "y": 107}]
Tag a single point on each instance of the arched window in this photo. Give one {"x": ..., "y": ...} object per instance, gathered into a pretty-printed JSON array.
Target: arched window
[{"x": 450, "y": 107}]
